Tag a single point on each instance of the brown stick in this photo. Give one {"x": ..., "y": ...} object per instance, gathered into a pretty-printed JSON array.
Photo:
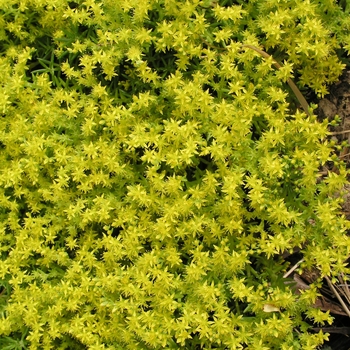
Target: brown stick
[
  {"x": 290, "y": 82},
  {"x": 340, "y": 330},
  {"x": 340, "y": 132},
  {"x": 344, "y": 155},
  {"x": 337, "y": 295},
  {"x": 293, "y": 268}
]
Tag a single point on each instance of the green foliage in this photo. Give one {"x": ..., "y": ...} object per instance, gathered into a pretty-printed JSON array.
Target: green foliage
[{"x": 153, "y": 170}]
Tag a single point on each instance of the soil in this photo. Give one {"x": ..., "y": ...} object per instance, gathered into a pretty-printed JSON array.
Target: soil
[{"x": 337, "y": 102}]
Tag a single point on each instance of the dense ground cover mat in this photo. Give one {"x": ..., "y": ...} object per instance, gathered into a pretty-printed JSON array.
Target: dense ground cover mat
[{"x": 155, "y": 168}]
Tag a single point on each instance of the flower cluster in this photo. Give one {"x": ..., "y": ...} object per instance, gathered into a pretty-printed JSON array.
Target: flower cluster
[{"x": 154, "y": 170}]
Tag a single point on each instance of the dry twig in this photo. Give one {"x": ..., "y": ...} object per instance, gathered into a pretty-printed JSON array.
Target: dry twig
[{"x": 338, "y": 296}]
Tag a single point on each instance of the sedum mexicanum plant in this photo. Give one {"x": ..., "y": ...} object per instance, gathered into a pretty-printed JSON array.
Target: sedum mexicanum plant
[{"x": 154, "y": 170}]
